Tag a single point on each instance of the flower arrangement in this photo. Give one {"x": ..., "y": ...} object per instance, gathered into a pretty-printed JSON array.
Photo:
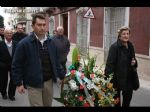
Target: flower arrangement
[{"x": 86, "y": 85}]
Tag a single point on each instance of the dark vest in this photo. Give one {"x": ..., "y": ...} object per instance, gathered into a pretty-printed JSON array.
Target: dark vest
[{"x": 45, "y": 61}]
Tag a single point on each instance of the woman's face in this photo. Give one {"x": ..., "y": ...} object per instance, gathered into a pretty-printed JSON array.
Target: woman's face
[{"x": 124, "y": 36}]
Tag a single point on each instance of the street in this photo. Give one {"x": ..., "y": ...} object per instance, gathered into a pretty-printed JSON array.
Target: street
[{"x": 141, "y": 98}]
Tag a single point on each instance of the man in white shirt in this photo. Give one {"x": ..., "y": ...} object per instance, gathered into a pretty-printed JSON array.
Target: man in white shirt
[
  {"x": 35, "y": 64},
  {"x": 7, "y": 48}
]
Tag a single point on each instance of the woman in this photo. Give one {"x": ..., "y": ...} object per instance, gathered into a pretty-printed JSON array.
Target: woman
[{"x": 122, "y": 63}]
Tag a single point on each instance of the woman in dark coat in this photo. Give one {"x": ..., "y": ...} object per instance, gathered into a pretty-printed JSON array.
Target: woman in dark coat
[{"x": 122, "y": 63}]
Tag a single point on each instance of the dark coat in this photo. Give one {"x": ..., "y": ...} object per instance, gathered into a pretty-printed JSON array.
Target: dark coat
[
  {"x": 5, "y": 67},
  {"x": 63, "y": 45},
  {"x": 2, "y": 36},
  {"x": 26, "y": 65},
  {"x": 18, "y": 36},
  {"x": 5, "y": 58},
  {"x": 119, "y": 63}
]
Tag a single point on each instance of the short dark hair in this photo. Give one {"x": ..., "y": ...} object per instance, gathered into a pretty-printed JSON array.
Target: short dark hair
[{"x": 40, "y": 16}]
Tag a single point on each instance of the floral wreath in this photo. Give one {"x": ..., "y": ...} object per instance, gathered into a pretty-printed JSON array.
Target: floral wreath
[{"x": 86, "y": 85}]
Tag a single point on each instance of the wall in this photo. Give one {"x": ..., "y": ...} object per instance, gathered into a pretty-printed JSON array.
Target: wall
[
  {"x": 139, "y": 22},
  {"x": 96, "y": 31},
  {"x": 73, "y": 26}
]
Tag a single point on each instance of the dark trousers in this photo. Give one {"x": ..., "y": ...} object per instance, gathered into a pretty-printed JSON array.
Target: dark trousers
[
  {"x": 126, "y": 98},
  {"x": 4, "y": 82}
]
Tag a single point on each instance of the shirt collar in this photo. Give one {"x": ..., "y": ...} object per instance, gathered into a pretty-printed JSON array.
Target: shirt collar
[
  {"x": 42, "y": 40},
  {"x": 9, "y": 44}
]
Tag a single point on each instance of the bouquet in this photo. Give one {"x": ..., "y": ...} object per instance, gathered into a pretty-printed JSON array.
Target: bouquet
[{"x": 86, "y": 85}]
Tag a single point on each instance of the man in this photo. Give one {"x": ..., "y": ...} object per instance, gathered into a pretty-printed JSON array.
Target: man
[
  {"x": 54, "y": 32},
  {"x": 63, "y": 46},
  {"x": 7, "y": 48},
  {"x": 2, "y": 32},
  {"x": 35, "y": 64},
  {"x": 19, "y": 35}
]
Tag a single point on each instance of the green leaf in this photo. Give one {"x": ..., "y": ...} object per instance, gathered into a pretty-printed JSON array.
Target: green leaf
[{"x": 75, "y": 55}]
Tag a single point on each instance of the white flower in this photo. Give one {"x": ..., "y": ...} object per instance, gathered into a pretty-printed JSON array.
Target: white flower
[
  {"x": 103, "y": 81},
  {"x": 96, "y": 80},
  {"x": 98, "y": 72},
  {"x": 82, "y": 62},
  {"x": 89, "y": 86},
  {"x": 95, "y": 69},
  {"x": 86, "y": 62},
  {"x": 73, "y": 85}
]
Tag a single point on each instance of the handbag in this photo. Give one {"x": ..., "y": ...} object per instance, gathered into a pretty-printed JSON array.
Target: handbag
[{"x": 136, "y": 82}]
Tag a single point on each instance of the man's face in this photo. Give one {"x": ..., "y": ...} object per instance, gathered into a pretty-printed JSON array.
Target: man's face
[
  {"x": 20, "y": 28},
  {"x": 60, "y": 31},
  {"x": 2, "y": 31},
  {"x": 39, "y": 27},
  {"x": 8, "y": 34}
]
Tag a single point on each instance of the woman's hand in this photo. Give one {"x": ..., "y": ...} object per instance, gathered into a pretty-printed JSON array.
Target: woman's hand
[{"x": 133, "y": 62}]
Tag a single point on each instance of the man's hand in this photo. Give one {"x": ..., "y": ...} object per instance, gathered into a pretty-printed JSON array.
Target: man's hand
[
  {"x": 21, "y": 89},
  {"x": 59, "y": 82}
]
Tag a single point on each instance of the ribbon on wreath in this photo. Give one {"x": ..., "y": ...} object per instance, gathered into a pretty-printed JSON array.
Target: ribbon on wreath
[{"x": 89, "y": 82}]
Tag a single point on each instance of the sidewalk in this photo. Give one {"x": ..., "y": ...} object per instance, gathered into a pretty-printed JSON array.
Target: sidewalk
[{"x": 145, "y": 84}]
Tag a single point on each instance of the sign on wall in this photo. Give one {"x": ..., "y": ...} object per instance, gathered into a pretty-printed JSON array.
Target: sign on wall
[{"x": 89, "y": 14}]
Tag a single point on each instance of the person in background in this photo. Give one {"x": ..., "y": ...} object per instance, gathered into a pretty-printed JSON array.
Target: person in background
[
  {"x": 7, "y": 49},
  {"x": 54, "y": 32},
  {"x": 35, "y": 64},
  {"x": 19, "y": 35},
  {"x": 121, "y": 62},
  {"x": 2, "y": 32},
  {"x": 63, "y": 46},
  {"x": 48, "y": 33}
]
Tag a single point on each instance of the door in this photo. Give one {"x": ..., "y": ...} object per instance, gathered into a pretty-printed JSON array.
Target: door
[{"x": 65, "y": 24}]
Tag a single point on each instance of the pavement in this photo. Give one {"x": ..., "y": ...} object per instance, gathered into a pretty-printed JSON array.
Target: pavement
[{"x": 144, "y": 84}]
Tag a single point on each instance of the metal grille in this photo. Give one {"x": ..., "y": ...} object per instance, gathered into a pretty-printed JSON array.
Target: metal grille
[
  {"x": 114, "y": 19},
  {"x": 82, "y": 25}
]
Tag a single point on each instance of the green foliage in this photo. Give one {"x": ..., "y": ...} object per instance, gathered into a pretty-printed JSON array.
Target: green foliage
[
  {"x": 75, "y": 54},
  {"x": 92, "y": 64},
  {"x": 89, "y": 64}
]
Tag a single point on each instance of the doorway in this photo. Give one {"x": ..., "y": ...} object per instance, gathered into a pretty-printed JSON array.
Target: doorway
[{"x": 65, "y": 23}]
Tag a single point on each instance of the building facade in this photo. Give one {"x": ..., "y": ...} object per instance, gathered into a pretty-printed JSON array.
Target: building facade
[{"x": 99, "y": 33}]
